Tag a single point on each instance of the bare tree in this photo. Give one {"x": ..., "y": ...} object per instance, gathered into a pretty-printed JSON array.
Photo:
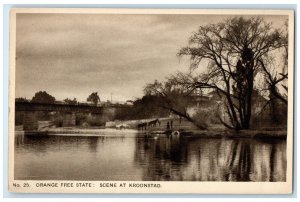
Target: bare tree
[
  {"x": 230, "y": 52},
  {"x": 273, "y": 79},
  {"x": 175, "y": 98},
  {"x": 276, "y": 75}
]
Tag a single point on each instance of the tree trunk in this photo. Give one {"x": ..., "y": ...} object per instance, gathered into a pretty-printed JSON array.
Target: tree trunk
[{"x": 186, "y": 117}]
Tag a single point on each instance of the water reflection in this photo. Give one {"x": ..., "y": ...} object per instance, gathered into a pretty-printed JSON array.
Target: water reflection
[
  {"x": 136, "y": 157},
  {"x": 75, "y": 158},
  {"x": 212, "y": 159}
]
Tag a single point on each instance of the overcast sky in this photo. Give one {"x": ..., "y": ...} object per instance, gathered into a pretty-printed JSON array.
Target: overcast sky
[{"x": 72, "y": 55}]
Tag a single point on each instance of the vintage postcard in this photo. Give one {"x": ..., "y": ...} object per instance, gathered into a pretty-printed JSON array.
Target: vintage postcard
[{"x": 151, "y": 101}]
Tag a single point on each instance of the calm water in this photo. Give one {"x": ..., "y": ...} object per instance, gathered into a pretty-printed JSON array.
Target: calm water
[{"x": 128, "y": 156}]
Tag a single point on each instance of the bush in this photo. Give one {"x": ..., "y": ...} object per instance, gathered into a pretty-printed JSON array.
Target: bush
[
  {"x": 206, "y": 116},
  {"x": 97, "y": 120},
  {"x": 80, "y": 119}
]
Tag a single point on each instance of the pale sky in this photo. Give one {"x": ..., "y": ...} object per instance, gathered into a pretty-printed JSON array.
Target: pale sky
[{"x": 73, "y": 55}]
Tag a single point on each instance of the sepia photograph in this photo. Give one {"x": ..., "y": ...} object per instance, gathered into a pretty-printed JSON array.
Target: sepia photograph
[{"x": 187, "y": 101}]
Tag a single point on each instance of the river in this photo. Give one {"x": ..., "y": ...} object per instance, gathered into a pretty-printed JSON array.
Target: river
[{"x": 116, "y": 155}]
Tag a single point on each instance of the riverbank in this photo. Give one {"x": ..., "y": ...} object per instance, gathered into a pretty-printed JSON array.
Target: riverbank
[
  {"x": 213, "y": 133},
  {"x": 238, "y": 134},
  {"x": 73, "y": 131}
]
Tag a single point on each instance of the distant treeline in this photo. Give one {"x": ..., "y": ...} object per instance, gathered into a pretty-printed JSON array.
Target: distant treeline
[{"x": 148, "y": 106}]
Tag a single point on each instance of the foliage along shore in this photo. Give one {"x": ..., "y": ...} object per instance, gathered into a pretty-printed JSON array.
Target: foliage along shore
[{"x": 238, "y": 134}]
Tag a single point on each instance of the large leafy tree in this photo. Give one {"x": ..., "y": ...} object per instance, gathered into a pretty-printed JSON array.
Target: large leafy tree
[
  {"x": 94, "y": 98},
  {"x": 229, "y": 55},
  {"x": 43, "y": 97},
  {"x": 71, "y": 101}
]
